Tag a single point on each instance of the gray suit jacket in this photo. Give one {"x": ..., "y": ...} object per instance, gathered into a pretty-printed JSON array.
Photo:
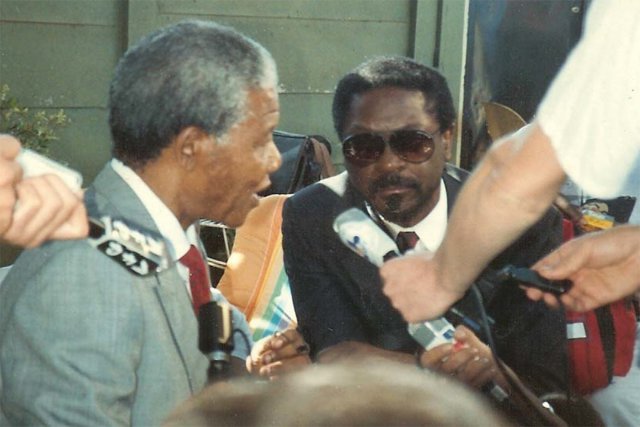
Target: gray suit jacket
[{"x": 84, "y": 342}]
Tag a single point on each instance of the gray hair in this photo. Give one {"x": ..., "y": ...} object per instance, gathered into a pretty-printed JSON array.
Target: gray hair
[{"x": 194, "y": 73}]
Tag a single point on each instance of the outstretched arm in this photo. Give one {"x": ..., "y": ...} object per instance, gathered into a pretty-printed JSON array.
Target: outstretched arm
[{"x": 511, "y": 189}]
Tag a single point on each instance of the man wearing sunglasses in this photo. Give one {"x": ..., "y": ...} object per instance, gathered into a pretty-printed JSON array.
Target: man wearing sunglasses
[{"x": 395, "y": 118}]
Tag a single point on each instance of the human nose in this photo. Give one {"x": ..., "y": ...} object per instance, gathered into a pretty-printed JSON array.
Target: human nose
[
  {"x": 273, "y": 158},
  {"x": 389, "y": 159}
]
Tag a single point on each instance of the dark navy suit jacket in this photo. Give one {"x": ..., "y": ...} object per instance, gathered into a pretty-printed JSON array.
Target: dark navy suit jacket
[{"x": 338, "y": 295}]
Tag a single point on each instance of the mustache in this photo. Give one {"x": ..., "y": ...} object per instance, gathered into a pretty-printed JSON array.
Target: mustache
[{"x": 392, "y": 180}]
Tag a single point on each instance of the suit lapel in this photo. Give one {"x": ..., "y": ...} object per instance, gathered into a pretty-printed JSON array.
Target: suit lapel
[
  {"x": 453, "y": 179},
  {"x": 111, "y": 195},
  {"x": 178, "y": 311}
]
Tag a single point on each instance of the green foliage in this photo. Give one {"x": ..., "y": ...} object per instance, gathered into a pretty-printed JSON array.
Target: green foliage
[{"x": 35, "y": 130}]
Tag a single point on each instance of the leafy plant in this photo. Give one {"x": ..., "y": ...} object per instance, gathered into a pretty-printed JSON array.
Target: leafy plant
[{"x": 35, "y": 130}]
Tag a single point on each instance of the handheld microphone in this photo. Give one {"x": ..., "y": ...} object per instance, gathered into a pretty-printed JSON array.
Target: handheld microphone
[
  {"x": 360, "y": 234},
  {"x": 215, "y": 337},
  {"x": 141, "y": 252}
]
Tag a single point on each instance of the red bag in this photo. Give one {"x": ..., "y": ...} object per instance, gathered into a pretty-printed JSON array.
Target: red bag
[
  {"x": 600, "y": 345},
  {"x": 600, "y": 342}
]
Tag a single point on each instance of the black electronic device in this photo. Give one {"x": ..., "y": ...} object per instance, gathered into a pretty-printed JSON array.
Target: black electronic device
[
  {"x": 531, "y": 278},
  {"x": 215, "y": 338}
]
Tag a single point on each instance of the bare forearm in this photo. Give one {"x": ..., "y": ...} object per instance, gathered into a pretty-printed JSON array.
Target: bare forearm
[{"x": 511, "y": 189}]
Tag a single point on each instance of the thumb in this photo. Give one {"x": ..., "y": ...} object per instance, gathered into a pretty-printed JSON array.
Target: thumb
[{"x": 563, "y": 262}]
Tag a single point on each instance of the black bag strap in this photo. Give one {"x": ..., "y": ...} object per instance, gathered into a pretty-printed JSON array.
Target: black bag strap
[{"x": 607, "y": 336}]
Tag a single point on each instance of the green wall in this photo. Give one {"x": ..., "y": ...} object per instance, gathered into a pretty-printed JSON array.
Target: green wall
[{"x": 61, "y": 53}]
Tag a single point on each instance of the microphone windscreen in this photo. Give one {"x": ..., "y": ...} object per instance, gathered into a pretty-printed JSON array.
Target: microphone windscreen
[{"x": 359, "y": 233}]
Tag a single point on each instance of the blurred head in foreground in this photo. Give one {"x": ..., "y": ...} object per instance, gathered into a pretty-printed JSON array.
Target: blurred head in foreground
[{"x": 380, "y": 393}]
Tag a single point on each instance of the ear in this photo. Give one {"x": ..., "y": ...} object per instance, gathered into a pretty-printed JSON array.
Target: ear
[
  {"x": 189, "y": 144},
  {"x": 447, "y": 140}
]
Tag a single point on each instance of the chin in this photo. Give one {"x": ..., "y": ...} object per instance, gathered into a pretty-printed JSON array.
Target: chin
[
  {"x": 402, "y": 215},
  {"x": 237, "y": 217}
]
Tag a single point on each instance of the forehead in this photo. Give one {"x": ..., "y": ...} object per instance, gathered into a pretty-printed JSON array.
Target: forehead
[
  {"x": 263, "y": 104},
  {"x": 389, "y": 108}
]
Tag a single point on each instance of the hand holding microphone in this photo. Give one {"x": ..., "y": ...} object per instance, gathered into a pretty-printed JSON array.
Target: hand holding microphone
[
  {"x": 359, "y": 233},
  {"x": 36, "y": 202},
  {"x": 468, "y": 359}
]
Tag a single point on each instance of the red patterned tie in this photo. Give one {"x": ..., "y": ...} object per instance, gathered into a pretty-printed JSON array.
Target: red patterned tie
[
  {"x": 198, "y": 281},
  {"x": 406, "y": 240}
]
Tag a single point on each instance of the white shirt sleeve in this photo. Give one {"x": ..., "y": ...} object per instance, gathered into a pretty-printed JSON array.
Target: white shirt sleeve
[{"x": 591, "y": 111}]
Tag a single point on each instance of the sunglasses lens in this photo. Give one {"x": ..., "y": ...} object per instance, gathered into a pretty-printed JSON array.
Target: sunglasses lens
[
  {"x": 412, "y": 145},
  {"x": 363, "y": 149}
]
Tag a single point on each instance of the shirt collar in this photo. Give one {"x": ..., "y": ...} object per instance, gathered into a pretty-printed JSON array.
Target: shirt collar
[
  {"x": 167, "y": 223},
  {"x": 432, "y": 227}
]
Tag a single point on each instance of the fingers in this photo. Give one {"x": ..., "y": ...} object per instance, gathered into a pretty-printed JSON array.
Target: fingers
[
  {"x": 277, "y": 369},
  {"x": 569, "y": 258},
  {"x": 468, "y": 359},
  {"x": 537, "y": 295},
  {"x": 283, "y": 345},
  {"x": 10, "y": 174},
  {"x": 45, "y": 204},
  {"x": 436, "y": 356},
  {"x": 562, "y": 262},
  {"x": 477, "y": 371},
  {"x": 471, "y": 366},
  {"x": 35, "y": 209},
  {"x": 9, "y": 147},
  {"x": 280, "y": 353},
  {"x": 76, "y": 226},
  {"x": 586, "y": 298}
]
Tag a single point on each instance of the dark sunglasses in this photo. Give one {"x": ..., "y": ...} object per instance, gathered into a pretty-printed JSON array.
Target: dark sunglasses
[{"x": 413, "y": 146}]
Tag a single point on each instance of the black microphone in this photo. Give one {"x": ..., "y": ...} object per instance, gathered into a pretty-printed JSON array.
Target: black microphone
[
  {"x": 215, "y": 333},
  {"x": 361, "y": 234},
  {"x": 142, "y": 252}
]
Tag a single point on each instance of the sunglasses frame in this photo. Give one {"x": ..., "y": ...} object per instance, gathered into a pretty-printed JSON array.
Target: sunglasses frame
[{"x": 391, "y": 141}]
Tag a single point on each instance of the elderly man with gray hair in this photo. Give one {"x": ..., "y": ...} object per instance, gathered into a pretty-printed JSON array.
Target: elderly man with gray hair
[{"x": 82, "y": 340}]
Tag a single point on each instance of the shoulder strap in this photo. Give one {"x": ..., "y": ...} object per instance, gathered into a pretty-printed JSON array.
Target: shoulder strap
[{"x": 323, "y": 157}]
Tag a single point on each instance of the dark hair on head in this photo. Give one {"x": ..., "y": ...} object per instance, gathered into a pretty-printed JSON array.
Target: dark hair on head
[
  {"x": 194, "y": 73},
  {"x": 394, "y": 71}
]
